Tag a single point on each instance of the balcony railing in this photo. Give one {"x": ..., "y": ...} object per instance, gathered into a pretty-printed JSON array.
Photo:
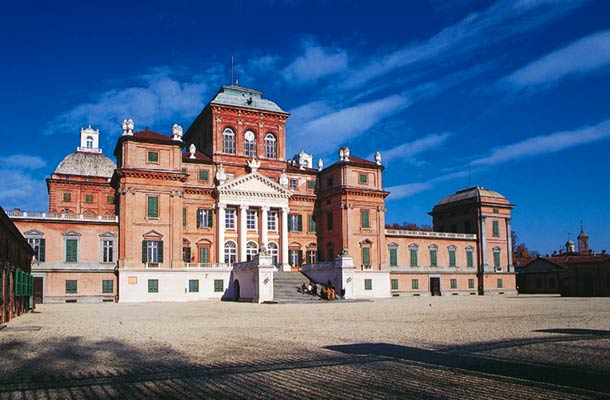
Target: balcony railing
[
  {"x": 208, "y": 265},
  {"x": 19, "y": 214},
  {"x": 429, "y": 234}
]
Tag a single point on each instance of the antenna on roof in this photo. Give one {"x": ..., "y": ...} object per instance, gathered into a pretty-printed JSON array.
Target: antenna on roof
[{"x": 232, "y": 79}]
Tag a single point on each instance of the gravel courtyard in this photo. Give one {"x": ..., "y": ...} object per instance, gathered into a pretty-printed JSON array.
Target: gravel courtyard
[{"x": 458, "y": 347}]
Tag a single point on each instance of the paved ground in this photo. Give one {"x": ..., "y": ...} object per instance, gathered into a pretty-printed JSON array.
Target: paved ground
[{"x": 450, "y": 348}]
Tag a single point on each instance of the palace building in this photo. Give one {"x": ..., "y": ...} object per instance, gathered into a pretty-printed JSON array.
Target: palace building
[{"x": 178, "y": 215}]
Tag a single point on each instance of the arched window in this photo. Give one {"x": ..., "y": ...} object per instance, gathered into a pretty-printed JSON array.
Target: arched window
[
  {"x": 230, "y": 252},
  {"x": 270, "y": 146},
  {"x": 433, "y": 255},
  {"x": 89, "y": 142},
  {"x": 228, "y": 141},
  {"x": 249, "y": 143},
  {"x": 452, "y": 255},
  {"x": 273, "y": 252},
  {"x": 251, "y": 250}
]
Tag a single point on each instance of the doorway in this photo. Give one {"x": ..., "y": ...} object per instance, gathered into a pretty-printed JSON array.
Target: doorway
[
  {"x": 236, "y": 289},
  {"x": 435, "y": 286},
  {"x": 38, "y": 289}
]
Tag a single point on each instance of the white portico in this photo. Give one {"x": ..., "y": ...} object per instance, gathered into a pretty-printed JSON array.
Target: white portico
[{"x": 252, "y": 211}]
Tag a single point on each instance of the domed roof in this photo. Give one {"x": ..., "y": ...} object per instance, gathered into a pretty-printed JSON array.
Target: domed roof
[
  {"x": 86, "y": 164},
  {"x": 474, "y": 192}
]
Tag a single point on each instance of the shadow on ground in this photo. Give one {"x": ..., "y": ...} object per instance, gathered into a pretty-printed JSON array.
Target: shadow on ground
[{"x": 77, "y": 368}]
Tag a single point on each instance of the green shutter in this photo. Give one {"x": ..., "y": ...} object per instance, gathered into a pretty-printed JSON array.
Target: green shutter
[
  {"x": 184, "y": 216},
  {"x": 469, "y": 259},
  {"x": 365, "y": 219},
  {"x": 200, "y": 222},
  {"x": 144, "y": 251},
  {"x": 433, "y": 260},
  {"x": 299, "y": 223},
  {"x": 496, "y": 258},
  {"x": 187, "y": 254},
  {"x": 204, "y": 255},
  {"x": 210, "y": 218},
  {"x": 366, "y": 256},
  {"x": 16, "y": 283},
  {"x": 312, "y": 224},
  {"x": 413, "y": 257},
  {"x": 452, "y": 258},
  {"x": 393, "y": 257},
  {"x": 71, "y": 250},
  {"x": 153, "y": 286},
  {"x": 415, "y": 284},
  {"x": 218, "y": 285},
  {"x": 203, "y": 174},
  {"x": 453, "y": 283},
  {"x": 470, "y": 283},
  {"x": 300, "y": 258},
  {"x": 394, "y": 284},
  {"x": 107, "y": 286},
  {"x": 496, "y": 228},
  {"x": 368, "y": 284},
  {"x": 160, "y": 242},
  {"x": 41, "y": 250},
  {"x": 153, "y": 207}
]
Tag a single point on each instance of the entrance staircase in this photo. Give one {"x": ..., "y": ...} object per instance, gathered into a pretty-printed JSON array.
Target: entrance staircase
[{"x": 285, "y": 286}]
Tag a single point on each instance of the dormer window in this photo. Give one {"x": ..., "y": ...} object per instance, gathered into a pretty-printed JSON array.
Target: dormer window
[
  {"x": 89, "y": 142},
  {"x": 228, "y": 141}
]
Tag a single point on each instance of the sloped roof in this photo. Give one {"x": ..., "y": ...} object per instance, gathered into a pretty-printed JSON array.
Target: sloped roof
[
  {"x": 86, "y": 164},
  {"x": 474, "y": 192},
  {"x": 246, "y": 98}
]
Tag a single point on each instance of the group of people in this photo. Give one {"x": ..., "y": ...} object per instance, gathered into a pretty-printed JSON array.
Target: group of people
[{"x": 327, "y": 292}]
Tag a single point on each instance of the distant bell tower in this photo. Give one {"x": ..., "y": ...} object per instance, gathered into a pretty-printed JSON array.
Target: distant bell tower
[
  {"x": 583, "y": 242},
  {"x": 89, "y": 140}
]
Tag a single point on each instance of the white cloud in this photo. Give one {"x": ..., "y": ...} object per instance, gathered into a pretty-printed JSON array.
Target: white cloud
[
  {"x": 330, "y": 130},
  {"x": 160, "y": 98},
  {"x": 584, "y": 55},
  {"x": 547, "y": 144},
  {"x": 22, "y": 161},
  {"x": 407, "y": 151},
  {"x": 475, "y": 31},
  {"x": 407, "y": 190},
  {"x": 18, "y": 189},
  {"x": 316, "y": 62}
]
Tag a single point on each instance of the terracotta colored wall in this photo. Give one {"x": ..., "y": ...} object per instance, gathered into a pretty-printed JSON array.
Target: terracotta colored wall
[{"x": 88, "y": 284}]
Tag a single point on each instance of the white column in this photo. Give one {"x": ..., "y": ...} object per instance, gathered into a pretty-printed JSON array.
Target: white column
[
  {"x": 220, "y": 223},
  {"x": 284, "y": 239},
  {"x": 510, "y": 245},
  {"x": 264, "y": 233},
  {"x": 243, "y": 231}
]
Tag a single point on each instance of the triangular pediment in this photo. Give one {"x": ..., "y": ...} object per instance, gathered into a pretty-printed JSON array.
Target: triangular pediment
[{"x": 254, "y": 185}]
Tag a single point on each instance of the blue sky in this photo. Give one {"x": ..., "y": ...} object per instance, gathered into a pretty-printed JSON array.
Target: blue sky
[{"x": 510, "y": 95}]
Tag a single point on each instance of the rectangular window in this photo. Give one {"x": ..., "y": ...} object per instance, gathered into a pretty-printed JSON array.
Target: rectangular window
[
  {"x": 251, "y": 220},
  {"x": 415, "y": 284},
  {"x": 71, "y": 250},
  {"x": 153, "y": 207},
  {"x": 219, "y": 285},
  {"x": 88, "y": 198},
  {"x": 295, "y": 258},
  {"x": 203, "y": 175},
  {"x": 153, "y": 286},
  {"x": 186, "y": 254},
  {"x": 364, "y": 219},
  {"x": 413, "y": 254},
  {"x": 67, "y": 196},
  {"x": 230, "y": 218},
  {"x": 107, "y": 250},
  {"x": 107, "y": 286},
  {"x": 153, "y": 157},
  {"x": 70, "y": 286},
  {"x": 38, "y": 245},
  {"x": 495, "y": 209},
  {"x": 497, "y": 258},
  {"x": 293, "y": 184},
  {"x": 109, "y": 199},
  {"x": 204, "y": 218},
  {"x": 500, "y": 283},
  {"x": 311, "y": 185},
  {"x": 363, "y": 179},
  {"x": 366, "y": 256},
  {"x": 452, "y": 257},
  {"x": 295, "y": 223},
  {"x": 453, "y": 283},
  {"x": 329, "y": 221},
  {"x": 393, "y": 257},
  {"x": 469, "y": 258},
  {"x": 204, "y": 255},
  {"x": 311, "y": 256},
  {"x": 311, "y": 226},
  {"x": 394, "y": 283},
  {"x": 368, "y": 284},
  {"x": 496, "y": 228},
  {"x": 193, "y": 285},
  {"x": 271, "y": 220},
  {"x": 152, "y": 252},
  {"x": 433, "y": 258},
  {"x": 470, "y": 283}
]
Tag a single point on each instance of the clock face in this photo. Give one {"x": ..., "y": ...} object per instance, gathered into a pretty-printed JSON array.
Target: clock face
[{"x": 249, "y": 136}]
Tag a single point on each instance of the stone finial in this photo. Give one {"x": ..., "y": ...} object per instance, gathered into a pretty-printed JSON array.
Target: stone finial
[
  {"x": 377, "y": 158},
  {"x": 177, "y": 132},
  {"x": 284, "y": 179},
  {"x": 254, "y": 164},
  {"x": 221, "y": 176},
  {"x": 344, "y": 154},
  {"x": 320, "y": 164},
  {"x": 192, "y": 150},
  {"x": 341, "y": 155},
  {"x": 127, "y": 126}
]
